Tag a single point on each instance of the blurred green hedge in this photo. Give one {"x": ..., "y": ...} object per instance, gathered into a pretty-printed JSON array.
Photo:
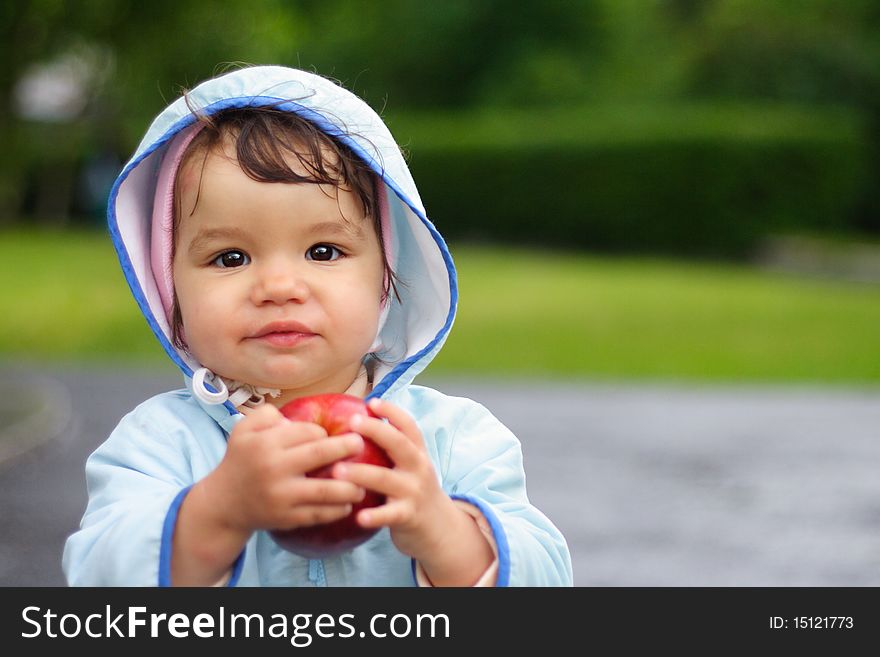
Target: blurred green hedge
[{"x": 690, "y": 180}]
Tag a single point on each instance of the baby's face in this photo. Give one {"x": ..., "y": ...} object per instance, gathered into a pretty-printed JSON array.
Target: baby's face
[{"x": 279, "y": 285}]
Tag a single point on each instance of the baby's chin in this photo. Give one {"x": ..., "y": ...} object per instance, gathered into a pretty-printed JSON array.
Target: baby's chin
[
  {"x": 290, "y": 382},
  {"x": 272, "y": 384},
  {"x": 282, "y": 385}
]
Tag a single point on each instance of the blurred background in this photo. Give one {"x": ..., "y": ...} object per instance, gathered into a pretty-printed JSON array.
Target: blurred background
[
  {"x": 638, "y": 170},
  {"x": 636, "y": 192}
]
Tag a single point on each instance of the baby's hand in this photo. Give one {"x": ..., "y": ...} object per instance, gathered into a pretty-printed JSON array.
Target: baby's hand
[
  {"x": 417, "y": 509},
  {"x": 261, "y": 482}
]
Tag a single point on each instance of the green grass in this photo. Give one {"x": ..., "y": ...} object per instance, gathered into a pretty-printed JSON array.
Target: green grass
[
  {"x": 522, "y": 312},
  {"x": 66, "y": 298},
  {"x": 562, "y": 314}
]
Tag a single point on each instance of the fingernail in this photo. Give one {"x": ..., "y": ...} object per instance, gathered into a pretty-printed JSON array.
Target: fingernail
[
  {"x": 340, "y": 470},
  {"x": 355, "y": 421}
]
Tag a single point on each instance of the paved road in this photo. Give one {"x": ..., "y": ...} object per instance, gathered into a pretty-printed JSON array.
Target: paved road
[{"x": 651, "y": 485}]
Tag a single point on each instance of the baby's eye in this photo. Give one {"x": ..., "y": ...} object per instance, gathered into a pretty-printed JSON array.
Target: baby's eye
[
  {"x": 323, "y": 253},
  {"x": 229, "y": 259}
]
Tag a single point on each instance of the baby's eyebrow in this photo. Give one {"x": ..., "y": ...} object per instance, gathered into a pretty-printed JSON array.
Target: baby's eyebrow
[
  {"x": 348, "y": 229},
  {"x": 233, "y": 233},
  {"x": 204, "y": 237}
]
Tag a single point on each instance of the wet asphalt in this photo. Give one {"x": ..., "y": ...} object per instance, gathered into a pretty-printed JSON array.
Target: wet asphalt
[{"x": 652, "y": 485}]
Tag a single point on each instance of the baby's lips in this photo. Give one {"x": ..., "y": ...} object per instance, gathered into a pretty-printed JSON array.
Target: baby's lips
[{"x": 285, "y": 326}]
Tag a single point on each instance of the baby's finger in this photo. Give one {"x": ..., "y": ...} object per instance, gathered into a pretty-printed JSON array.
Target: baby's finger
[
  {"x": 318, "y": 453},
  {"x": 307, "y": 501},
  {"x": 315, "y": 514},
  {"x": 399, "y": 418},
  {"x": 399, "y": 448},
  {"x": 262, "y": 417},
  {"x": 314, "y": 490},
  {"x": 373, "y": 477},
  {"x": 293, "y": 433},
  {"x": 387, "y": 515}
]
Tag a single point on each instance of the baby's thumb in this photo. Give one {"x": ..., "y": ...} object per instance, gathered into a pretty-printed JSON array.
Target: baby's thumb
[{"x": 263, "y": 416}]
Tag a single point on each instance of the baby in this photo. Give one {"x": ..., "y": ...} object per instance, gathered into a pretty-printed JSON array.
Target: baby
[{"x": 276, "y": 244}]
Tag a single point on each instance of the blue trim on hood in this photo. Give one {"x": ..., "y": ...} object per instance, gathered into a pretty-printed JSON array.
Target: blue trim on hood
[
  {"x": 403, "y": 366},
  {"x": 122, "y": 253},
  {"x": 328, "y": 127}
]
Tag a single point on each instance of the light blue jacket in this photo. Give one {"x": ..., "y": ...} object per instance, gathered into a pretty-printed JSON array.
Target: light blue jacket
[{"x": 138, "y": 478}]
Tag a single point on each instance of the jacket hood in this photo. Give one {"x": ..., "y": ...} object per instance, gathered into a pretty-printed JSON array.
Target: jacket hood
[{"x": 416, "y": 326}]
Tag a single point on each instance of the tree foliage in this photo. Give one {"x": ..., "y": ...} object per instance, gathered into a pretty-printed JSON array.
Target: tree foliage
[{"x": 455, "y": 54}]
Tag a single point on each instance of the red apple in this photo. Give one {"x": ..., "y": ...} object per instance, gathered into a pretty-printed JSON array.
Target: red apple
[{"x": 333, "y": 412}]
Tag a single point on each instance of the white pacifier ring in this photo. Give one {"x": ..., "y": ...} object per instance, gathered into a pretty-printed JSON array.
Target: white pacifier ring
[{"x": 202, "y": 393}]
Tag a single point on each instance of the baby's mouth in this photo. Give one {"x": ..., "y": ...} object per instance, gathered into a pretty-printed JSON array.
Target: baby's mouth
[
  {"x": 285, "y": 339},
  {"x": 283, "y": 333},
  {"x": 282, "y": 327}
]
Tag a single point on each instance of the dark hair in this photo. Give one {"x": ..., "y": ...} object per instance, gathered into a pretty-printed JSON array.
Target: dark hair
[{"x": 265, "y": 140}]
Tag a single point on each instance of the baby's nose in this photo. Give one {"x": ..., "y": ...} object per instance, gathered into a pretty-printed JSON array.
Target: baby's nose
[{"x": 280, "y": 284}]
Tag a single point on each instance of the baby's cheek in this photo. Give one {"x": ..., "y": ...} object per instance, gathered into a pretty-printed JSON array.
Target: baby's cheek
[{"x": 195, "y": 326}]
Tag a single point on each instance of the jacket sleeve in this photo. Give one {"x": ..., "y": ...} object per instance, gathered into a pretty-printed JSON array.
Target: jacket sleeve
[
  {"x": 485, "y": 468},
  {"x": 136, "y": 482}
]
